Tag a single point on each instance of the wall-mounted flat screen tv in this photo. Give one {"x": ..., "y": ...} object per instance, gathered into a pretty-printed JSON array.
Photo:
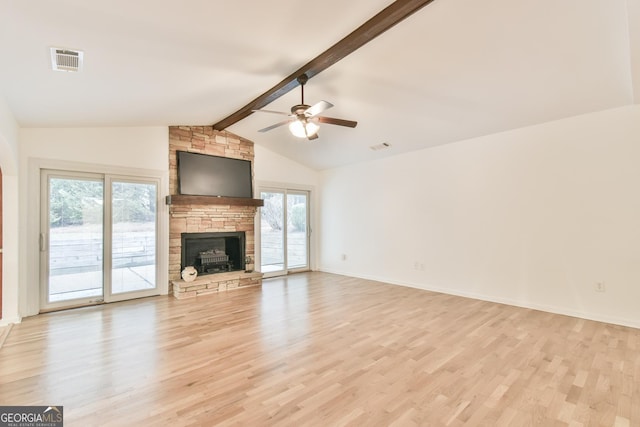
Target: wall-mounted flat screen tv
[{"x": 204, "y": 175}]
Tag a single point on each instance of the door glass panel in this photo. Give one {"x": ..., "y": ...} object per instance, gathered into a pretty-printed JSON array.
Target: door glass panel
[
  {"x": 272, "y": 232},
  {"x": 133, "y": 236},
  {"x": 296, "y": 231},
  {"x": 75, "y": 239}
]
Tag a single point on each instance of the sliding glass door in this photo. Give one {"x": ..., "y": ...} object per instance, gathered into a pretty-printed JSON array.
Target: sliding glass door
[
  {"x": 272, "y": 232},
  {"x": 284, "y": 231},
  {"x": 297, "y": 214},
  {"x": 72, "y": 238},
  {"x": 133, "y": 236},
  {"x": 98, "y": 239}
]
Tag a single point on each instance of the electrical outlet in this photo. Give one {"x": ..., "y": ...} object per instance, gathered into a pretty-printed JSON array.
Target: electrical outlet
[
  {"x": 421, "y": 266},
  {"x": 344, "y": 257},
  {"x": 600, "y": 287},
  {"x": 416, "y": 265}
]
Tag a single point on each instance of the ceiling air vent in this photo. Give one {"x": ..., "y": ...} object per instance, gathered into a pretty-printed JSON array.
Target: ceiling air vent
[
  {"x": 66, "y": 59},
  {"x": 379, "y": 147}
]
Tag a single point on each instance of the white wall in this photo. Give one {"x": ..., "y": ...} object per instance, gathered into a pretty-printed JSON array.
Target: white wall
[
  {"x": 9, "y": 166},
  {"x": 118, "y": 149},
  {"x": 272, "y": 167},
  {"x": 134, "y": 147},
  {"x": 531, "y": 217}
]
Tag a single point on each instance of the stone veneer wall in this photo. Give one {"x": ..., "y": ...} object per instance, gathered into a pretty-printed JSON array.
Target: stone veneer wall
[{"x": 207, "y": 218}]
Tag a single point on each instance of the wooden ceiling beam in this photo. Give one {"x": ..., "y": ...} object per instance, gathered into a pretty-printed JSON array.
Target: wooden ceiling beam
[{"x": 393, "y": 14}]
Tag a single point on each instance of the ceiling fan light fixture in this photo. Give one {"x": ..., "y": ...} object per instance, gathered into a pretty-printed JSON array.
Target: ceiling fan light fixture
[
  {"x": 303, "y": 120},
  {"x": 303, "y": 129}
]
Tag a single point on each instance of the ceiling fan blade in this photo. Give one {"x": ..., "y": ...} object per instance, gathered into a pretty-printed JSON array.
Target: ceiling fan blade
[
  {"x": 317, "y": 108},
  {"x": 277, "y": 125},
  {"x": 339, "y": 122},
  {"x": 282, "y": 113}
]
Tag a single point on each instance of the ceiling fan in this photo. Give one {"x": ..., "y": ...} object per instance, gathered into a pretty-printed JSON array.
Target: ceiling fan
[{"x": 304, "y": 119}]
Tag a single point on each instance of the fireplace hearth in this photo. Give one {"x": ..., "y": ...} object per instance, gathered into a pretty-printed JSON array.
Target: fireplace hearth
[{"x": 211, "y": 253}]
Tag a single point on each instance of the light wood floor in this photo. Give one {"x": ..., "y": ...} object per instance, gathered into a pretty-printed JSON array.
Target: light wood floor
[{"x": 323, "y": 350}]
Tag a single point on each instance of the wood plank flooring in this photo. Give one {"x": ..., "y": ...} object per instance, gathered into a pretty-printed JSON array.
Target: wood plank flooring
[
  {"x": 4, "y": 333},
  {"x": 319, "y": 349}
]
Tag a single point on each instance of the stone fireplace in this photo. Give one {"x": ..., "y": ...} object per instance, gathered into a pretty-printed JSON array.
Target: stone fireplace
[{"x": 211, "y": 218}]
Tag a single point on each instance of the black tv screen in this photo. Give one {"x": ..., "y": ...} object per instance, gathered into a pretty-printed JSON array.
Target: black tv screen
[{"x": 204, "y": 175}]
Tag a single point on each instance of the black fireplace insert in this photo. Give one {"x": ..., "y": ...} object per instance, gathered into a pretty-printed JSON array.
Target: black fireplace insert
[{"x": 213, "y": 253}]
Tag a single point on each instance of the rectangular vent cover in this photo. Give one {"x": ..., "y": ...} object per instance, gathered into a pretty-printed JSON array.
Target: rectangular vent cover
[
  {"x": 66, "y": 59},
  {"x": 379, "y": 147}
]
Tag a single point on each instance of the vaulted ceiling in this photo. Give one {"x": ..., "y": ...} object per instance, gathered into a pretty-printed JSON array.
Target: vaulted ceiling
[{"x": 456, "y": 69}]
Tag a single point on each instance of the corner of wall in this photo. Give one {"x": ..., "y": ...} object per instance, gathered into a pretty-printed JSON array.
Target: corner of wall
[{"x": 11, "y": 224}]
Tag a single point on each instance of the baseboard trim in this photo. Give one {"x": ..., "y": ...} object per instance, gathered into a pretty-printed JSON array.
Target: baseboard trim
[
  {"x": 499, "y": 300},
  {"x": 10, "y": 321}
]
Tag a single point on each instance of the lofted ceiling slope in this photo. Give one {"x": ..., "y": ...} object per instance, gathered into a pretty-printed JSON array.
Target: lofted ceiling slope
[{"x": 456, "y": 69}]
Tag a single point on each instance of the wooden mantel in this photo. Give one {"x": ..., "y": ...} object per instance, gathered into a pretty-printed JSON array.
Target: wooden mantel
[{"x": 183, "y": 199}]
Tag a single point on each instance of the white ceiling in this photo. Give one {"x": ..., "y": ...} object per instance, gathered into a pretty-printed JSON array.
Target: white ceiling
[{"x": 456, "y": 69}]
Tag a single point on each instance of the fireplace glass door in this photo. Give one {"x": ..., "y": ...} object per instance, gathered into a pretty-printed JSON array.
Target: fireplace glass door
[
  {"x": 284, "y": 231},
  {"x": 98, "y": 239}
]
